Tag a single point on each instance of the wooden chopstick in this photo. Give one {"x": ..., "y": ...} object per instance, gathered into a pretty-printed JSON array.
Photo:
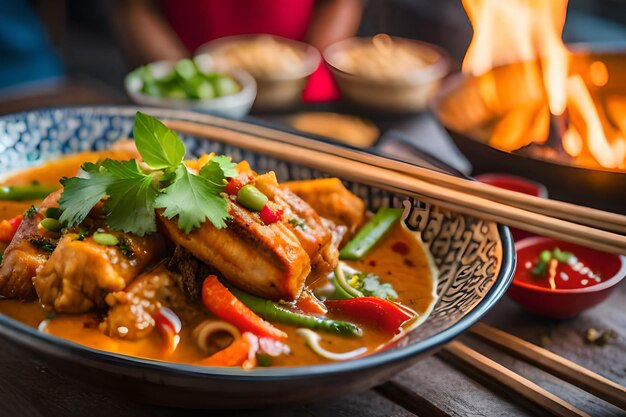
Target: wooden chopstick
[
  {"x": 565, "y": 369},
  {"x": 559, "y": 209},
  {"x": 513, "y": 381},
  {"x": 395, "y": 181}
]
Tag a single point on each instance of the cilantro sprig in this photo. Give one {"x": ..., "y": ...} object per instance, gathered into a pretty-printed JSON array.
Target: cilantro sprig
[
  {"x": 370, "y": 284},
  {"x": 133, "y": 191}
]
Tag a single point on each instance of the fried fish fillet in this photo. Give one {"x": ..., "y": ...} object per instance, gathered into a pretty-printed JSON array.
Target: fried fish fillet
[
  {"x": 133, "y": 310},
  {"x": 332, "y": 200},
  {"x": 267, "y": 260},
  {"x": 22, "y": 259},
  {"x": 79, "y": 273},
  {"x": 313, "y": 231}
]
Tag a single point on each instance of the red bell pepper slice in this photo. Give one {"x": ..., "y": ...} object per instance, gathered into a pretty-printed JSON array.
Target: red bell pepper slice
[
  {"x": 270, "y": 214},
  {"x": 221, "y": 302},
  {"x": 8, "y": 228},
  {"x": 236, "y": 183},
  {"x": 242, "y": 352},
  {"x": 386, "y": 315}
]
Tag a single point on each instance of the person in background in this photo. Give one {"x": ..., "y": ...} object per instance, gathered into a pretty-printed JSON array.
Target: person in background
[
  {"x": 26, "y": 55},
  {"x": 173, "y": 29}
]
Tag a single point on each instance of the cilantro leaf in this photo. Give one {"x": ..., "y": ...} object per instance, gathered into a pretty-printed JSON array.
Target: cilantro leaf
[
  {"x": 218, "y": 169},
  {"x": 132, "y": 192},
  {"x": 159, "y": 146},
  {"x": 130, "y": 206},
  {"x": 369, "y": 284},
  {"x": 30, "y": 212},
  {"x": 90, "y": 167},
  {"x": 80, "y": 195},
  {"x": 193, "y": 198}
]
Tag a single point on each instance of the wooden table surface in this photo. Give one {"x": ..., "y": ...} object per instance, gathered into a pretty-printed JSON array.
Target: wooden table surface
[{"x": 433, "y": 387}]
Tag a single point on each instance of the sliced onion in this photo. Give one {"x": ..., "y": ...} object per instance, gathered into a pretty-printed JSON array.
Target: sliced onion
[
  {"x": 313, "y": 341},
  {"x": 341, "y": 280},
  {"x": 203, "y": 332},
  {"x": 43, "y": 326},
  {"x": 172, "y": 318}
]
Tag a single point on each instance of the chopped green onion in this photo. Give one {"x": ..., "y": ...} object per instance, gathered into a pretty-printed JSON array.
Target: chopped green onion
[
  {"x": 174, "y": 91},
  {"x": 185, "y": 81},
  {"x": 225, "y": 85},
  {"x": 26, "y": 192},
  {"x": 251, "y": 198},
  {"x": 562, "y": 256},
  {"x": 151, "y": 88},
  {"x": 52, "y": 225},
  {"x": 186, "y": 69},
  {"x": 313, "y": 341},
  {"x": 540, "y": 269},
  {"x": 53, "y": 213},
  {"x": 205, "y": 90},
  {"x": 545, "y": 256},
  {"x": 105, "y": 239}
]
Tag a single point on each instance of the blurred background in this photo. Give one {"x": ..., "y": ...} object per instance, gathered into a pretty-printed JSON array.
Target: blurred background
[
  {"x": 91, "y": 52},
  {"x": 374, "y": 92}
]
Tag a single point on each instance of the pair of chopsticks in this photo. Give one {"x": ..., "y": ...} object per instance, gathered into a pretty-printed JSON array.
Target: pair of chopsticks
[
  {"x": 582, "y": 225},
  {"x": 556, "y": 365}
]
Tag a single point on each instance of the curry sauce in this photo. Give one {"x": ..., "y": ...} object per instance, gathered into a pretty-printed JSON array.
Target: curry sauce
[{"x": 399, "y": 259}]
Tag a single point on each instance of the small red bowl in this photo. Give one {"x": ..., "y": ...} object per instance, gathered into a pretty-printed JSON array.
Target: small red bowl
[
  {"x": 579, "y": 286},
  {"x": 519, "y": 184}
]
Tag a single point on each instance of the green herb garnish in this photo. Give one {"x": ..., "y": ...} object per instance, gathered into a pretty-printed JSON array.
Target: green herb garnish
[
  {"x": 541, "y": 268},
  {"x": 133, "y": 191},
  {"x": 561, "y": 256},
  {"x": 185, "y": 81},
  {"x": 369, "y": 284},
  {"x": 82, "y": 234},
  {"x": 125, "y": 248},
  {"x": 296, "y": 221},
  {"x": 30, "y": 212},
  {"x": 43, "y": 244}
]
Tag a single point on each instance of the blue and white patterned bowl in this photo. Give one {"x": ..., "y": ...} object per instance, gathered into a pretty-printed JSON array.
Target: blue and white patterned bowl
[{"x": 475, "y": 260}]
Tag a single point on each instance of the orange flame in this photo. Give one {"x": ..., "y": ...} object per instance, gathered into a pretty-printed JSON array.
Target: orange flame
[{"x": 514, "y": 31}]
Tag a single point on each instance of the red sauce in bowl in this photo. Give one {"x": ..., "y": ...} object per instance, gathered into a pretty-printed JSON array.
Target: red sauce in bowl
[{"x": 589, "y": 268}]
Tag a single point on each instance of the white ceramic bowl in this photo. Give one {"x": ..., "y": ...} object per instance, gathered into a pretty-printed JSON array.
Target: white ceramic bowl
[{"x": 235, "y": 105}]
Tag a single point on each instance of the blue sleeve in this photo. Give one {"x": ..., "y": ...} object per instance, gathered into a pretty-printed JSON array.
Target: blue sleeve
[{"x": 26, "y": 54}]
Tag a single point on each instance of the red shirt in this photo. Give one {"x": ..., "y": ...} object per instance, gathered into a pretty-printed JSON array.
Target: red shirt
[{"x": 199, "y": 21}]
